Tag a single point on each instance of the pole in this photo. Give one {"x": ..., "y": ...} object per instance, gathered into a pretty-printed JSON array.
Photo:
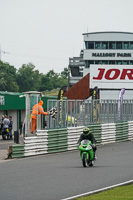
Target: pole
[{"x": 0, "y": 52}]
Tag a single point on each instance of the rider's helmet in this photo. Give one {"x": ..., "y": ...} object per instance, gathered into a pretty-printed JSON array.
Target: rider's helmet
[{"x": 86, "y": 131}]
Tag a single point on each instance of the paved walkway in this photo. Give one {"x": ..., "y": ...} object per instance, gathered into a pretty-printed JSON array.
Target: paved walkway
[
  {"x": 4, "y": 144},
  {"x": 3, "y": 155}
]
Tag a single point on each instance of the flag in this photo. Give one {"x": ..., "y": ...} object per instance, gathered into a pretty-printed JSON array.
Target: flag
[
  {"x": 95, "y": 105},
  {"x": 60, "y": 98},
  {"x": 120, "y": 102}
]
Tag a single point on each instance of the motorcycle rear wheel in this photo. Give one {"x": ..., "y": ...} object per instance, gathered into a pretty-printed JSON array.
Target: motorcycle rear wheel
[{"x": 91, "y": 164}]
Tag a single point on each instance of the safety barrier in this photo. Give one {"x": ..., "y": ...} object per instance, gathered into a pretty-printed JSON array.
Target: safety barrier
[
  {"x": 73, "y": 136},
  {"x": 17, "y": 151},
  {"x": 108, "y": 133},
  {"x": 36, "y": 145},
  {"x": 57, "y": 140},
  {"x": 97, "y": 131},
  {"x": 121, "y": 131},
  {"x": 64, "y": 139},
  {"x": 130, "y": 130}
]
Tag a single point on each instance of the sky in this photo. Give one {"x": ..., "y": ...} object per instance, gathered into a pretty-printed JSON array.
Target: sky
[{"x": 48, "y": 32}]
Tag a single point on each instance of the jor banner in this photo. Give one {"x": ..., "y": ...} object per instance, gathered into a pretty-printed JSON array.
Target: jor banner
[
  {"x": 61, "y": 116},
  {"x": 95, "y": 113}
]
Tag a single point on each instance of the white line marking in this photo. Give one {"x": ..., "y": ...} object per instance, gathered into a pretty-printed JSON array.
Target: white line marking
[{"x": 99, "y": 190}]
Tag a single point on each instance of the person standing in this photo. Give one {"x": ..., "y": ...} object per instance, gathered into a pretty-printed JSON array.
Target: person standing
[
  {"x": 5, "y": 127},
  {"x": 36, "y": 110},
  {"x": 1, "y": 124},
  {"x": 10, "y": 127}
]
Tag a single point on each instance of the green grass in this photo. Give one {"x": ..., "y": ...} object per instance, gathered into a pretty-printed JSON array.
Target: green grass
[
  {"x": 52, "y": 92},
  {"x": 118, "y": 193}
]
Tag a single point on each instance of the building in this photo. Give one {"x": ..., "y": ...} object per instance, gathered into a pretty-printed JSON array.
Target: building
[
  {"x": 112, "y": 52},
  {"x": 76, "y": 66}
]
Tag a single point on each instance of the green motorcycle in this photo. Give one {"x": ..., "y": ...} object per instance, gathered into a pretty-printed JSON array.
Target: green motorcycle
[{"x": 86, "y": 153}]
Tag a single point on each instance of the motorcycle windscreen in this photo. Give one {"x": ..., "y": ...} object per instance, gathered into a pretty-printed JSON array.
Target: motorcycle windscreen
[{"x": 85, "y": 142}]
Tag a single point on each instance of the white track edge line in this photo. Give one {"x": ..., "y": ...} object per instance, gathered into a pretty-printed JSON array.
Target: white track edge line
[{"x": 99, "y": 190}]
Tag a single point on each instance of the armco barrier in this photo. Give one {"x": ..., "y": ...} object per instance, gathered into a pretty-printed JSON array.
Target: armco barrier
[
  {"x": 108, "y": 133},
  {"x": 122, "y": 131},
  {"x": 73, "y": 136},
  {"x": 36, "y": 145},
  {"x": 96, "y": 130},
  {"x": 130, "y": 130},
  {"x": 64, "y": 139},
  {"x": 57, "y": 140},
  {"x": 17, "y": 151}
]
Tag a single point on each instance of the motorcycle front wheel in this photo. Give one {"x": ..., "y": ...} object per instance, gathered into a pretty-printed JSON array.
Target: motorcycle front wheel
[{"x": 85, "y": 162}]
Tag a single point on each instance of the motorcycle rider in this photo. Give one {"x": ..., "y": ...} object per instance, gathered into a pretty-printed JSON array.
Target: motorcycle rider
[{"x": 86, "y": 135}]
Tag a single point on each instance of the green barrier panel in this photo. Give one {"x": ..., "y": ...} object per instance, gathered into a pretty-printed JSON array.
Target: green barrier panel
[
  {"x": 96, "y": 130},
  {"x": 122, "y": 131},
  {"x": 57, "y": 140},
  {"x": 17, "y": 151}
]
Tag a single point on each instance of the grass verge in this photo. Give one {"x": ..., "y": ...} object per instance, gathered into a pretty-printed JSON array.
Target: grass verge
[{"x": 118, "y": 193}]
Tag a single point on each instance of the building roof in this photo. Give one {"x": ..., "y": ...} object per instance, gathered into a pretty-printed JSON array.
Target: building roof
[
  {"x": 10, "y": 93},
  {"x": 107, "y": 32}
]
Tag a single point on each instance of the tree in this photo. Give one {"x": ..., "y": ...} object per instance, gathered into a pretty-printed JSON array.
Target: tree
[
  {"x": 64, "y": 73},
  {"x": 53, "y": 80},
  {"x": 8, "y": 78},
  {"x": 28, "y": 79}
]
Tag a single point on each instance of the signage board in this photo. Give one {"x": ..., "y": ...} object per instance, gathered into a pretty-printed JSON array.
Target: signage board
[
  {"x": 111, "y": 76},
  {"x": 2, "y": 100}
]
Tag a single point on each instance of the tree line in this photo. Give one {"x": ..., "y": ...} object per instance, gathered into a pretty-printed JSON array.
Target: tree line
[{"x": 27, "y": 78}]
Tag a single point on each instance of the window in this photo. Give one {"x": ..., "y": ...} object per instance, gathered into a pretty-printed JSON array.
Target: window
[
  {"x": 90, "y": 45},
  {"x": 88, "y": 63},
  {"x": 131, "y": 62},
  {"x": 119, "y": 62},
  {"x": 125, "y": 62},
  {"x": 111, "y": 62},
  {"x": 118, "y": 45},
  {"x": 112, "y": 45},
  {"x": 86, "y": 45},
  {"x": 125, "y": 45},
  {"x": 104, "y": 62},
  {"x": 98, "y": 62},
  {"x": 131, "y": 45},
  {"x": 104, "y": 45},
  {"x": 97, "y": 45}
]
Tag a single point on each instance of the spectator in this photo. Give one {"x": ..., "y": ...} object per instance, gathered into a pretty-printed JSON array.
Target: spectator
[
  {"x": 1, "y": 124},
  {"x": 5, "y": 127},
  {"x": 10, "y": 127},
  {"x": 36, "y": 110}
]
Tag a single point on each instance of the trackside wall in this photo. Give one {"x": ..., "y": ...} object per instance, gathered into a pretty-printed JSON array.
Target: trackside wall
[{"x": 59, "y": 140}]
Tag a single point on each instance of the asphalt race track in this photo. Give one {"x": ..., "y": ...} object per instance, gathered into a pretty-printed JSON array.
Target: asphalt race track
[{"x": 58, "y": 176}]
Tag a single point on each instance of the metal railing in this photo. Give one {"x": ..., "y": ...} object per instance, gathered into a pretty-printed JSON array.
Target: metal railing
[{"x": 72, "y": 113}]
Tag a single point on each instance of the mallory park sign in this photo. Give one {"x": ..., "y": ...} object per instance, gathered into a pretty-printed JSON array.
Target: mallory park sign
[
  {"x": 111, "y": 76},
  {"x": 111, "y": 55}
]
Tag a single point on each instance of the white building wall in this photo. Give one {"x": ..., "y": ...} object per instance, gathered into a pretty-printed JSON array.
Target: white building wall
[
  {"x": 114, "y": 94},
  {"x": 115, "y": 54},
  {"x": 13, "y": 113},
  {"x": 22, "y": 115}
]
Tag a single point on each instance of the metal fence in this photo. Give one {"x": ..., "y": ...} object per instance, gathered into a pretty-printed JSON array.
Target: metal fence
[{"x": 73, "y": 113}]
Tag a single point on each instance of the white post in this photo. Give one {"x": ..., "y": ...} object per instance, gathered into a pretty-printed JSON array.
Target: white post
[{"x": 27, "y": 122}]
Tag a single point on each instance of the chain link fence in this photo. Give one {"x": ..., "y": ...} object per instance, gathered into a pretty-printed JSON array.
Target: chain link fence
[{"x": 72, "y": 113}]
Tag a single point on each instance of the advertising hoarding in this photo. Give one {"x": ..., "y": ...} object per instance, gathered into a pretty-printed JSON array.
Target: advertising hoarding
[{"x": 111, "y": 76}]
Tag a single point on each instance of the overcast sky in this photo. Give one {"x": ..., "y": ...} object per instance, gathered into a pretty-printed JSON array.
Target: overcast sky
[{"x": 48, "y": 32}]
